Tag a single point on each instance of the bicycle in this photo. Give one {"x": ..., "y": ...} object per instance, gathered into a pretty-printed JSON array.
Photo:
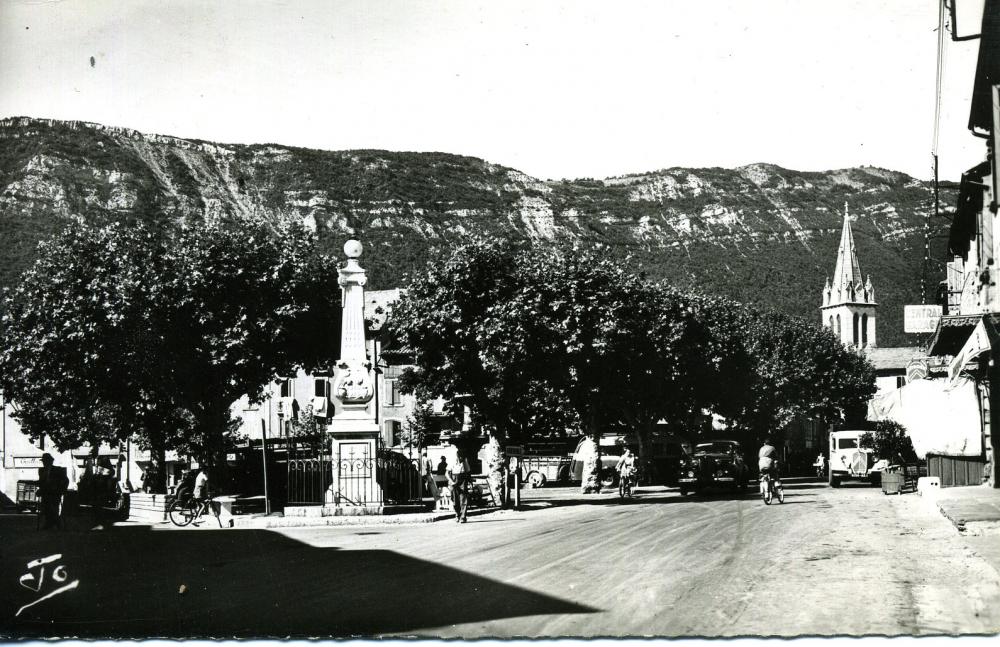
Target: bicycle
[
  {"x": 625, "y": 483},
  {"x": 183, "y": 512},
  {"x": 770, "y": 487}
]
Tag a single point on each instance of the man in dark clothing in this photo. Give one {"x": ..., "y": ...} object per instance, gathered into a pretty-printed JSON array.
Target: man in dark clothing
[
  {"x": 459, "y": 477},
  {"x": 52, "y": 485}
]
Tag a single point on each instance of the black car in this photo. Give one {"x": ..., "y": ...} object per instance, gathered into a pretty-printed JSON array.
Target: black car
[{"x": 715, "y": 463}]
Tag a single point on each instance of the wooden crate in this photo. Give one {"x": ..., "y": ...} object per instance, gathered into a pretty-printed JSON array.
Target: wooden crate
[{"x": 892, "y": 482}]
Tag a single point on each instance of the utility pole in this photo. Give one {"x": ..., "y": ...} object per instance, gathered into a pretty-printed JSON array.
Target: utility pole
[{"x": 263, "y": 452}]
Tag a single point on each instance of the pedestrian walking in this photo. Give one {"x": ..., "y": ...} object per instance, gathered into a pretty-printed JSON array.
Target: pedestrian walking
[
  {"x": 427, "y": 473},
  {"x": 442, "y": 467},
  {"x": 459, "y": 478},
  {"x": 52, "y": 486}
]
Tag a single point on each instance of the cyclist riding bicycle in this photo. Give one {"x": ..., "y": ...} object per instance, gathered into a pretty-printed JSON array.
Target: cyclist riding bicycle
[
  {"x": 626, "y": 465},
  {"x": 200, "y": 492},
  {"x": 768, "y": 460}
]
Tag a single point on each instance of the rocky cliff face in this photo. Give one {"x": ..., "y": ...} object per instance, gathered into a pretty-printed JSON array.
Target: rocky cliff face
[{"x": 759, "y": 233}]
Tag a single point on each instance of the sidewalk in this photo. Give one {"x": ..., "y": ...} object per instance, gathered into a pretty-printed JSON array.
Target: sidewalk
[
  {"x": 973, "y": 509},
  {"x": 975, "y": 512}
]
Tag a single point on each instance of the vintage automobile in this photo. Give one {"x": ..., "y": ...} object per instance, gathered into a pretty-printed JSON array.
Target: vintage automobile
[
  {"x": 715, "y": 463},
  {"x": 848, "y": 460}
]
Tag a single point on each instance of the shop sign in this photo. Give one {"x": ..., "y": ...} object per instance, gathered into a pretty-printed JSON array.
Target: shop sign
[
  {"x": 921, "y": 319},
  {"x": 27, "y": 462}
]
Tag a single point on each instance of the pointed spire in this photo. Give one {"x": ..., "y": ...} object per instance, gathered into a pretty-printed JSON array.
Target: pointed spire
[
  {"x": 847, "y": 275},
  {"x": 826, "y": 292}
]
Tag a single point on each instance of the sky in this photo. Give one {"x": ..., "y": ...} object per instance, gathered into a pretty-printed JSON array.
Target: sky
[{"x": 554, "y": 89}]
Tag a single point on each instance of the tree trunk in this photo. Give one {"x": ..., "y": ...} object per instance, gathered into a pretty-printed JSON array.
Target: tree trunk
[
  {"x": 156, "y": 481},
  {"x": 590, "y": 481},
  {"x": 494, "y": 468},
  {"x": 212, "y": 429},
  {"x": 643, "y": 433}
]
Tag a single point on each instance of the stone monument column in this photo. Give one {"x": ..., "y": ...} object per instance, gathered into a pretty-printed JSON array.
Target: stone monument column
[{"x": 353, "y": 430}]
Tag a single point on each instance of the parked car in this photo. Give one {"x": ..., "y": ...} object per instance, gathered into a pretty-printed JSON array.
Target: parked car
[
  {"x": 716, "y": 463},
  {"x": 848, "y": 460}
]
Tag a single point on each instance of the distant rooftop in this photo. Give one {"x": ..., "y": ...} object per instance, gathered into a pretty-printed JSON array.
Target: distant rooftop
[{"x": 898, "y": 357}]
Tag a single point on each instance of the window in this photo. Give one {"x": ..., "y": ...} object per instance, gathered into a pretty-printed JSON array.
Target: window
[
  {"x": 847, "y": 443},
  {"x": 393, "y": 432},
  {"x": 857, "y": 324},
  {"x": 900, "y": 381},
  {"x": 286, "y": 387},
  {"x": 393, "y": 396},
  {"x": 864, "y": 330},
  {"x": 838, "y": 325},
  {"x": 320, "y": 390}
]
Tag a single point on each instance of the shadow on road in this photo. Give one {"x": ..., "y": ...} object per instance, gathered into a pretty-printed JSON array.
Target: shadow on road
[
  {"x": 541, "y": 502},
  {"x": 135, "y": 582}
]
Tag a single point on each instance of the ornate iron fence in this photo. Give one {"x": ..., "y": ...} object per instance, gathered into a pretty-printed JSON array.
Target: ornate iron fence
[
  {"x": 355, "y": 466},
  {"x": 309, "y": 471},
  {"x": 398, "y": 476}
]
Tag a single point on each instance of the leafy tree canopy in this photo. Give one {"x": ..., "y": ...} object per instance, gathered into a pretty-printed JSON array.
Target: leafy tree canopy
[
  {"x": 129, "y": 330},
  {"x": 561, "y": 339}
]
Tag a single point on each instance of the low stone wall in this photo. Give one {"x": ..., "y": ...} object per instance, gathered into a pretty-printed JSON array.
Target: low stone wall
[{"x": 148, "y": 507}]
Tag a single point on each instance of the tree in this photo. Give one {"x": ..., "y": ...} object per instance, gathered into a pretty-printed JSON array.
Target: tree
[
  {"x": 441, "y": 320},
  {"x": 124, "y": 331},
  {"x": 890, "y": 441},
  {"x": 620, "y": 352},
  {"x": 247, "y": 300},
  {"x": 78, "y": 351},
  {"x": 547, "y": 340},
  {"x": 771, "y": 367}
]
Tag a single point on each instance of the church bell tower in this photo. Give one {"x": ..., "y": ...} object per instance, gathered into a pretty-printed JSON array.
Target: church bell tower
[{"x": 848, "y": 302}]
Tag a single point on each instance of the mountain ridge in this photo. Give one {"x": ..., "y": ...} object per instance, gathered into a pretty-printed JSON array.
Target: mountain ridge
[{"x": 760, "y": 232}]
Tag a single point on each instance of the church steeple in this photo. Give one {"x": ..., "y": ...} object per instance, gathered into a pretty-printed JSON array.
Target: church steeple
[
  {"x": 848, "y": 283},
  {"x": 849, "y": 300}
]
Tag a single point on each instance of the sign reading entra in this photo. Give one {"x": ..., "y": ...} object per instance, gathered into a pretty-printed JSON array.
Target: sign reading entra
[{"x": 921, "y": 318}]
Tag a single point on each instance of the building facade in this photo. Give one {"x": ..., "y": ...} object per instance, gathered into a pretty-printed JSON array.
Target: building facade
[{"x": 967, "y": 335}]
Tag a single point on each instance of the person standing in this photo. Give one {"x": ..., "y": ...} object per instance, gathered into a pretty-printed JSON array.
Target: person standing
[
  {"x": 427, "y": 472},
  {"x": 459, "y": 476},
  {"x": 52, "y": 486}
]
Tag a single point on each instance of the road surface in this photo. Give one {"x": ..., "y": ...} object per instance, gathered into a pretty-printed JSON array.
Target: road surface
[{"x": 826, "y": 562}]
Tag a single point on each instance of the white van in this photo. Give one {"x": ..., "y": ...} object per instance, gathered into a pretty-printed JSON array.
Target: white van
[{"x": 850, "y": 461}]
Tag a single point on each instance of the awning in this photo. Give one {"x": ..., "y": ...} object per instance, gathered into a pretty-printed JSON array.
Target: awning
[
  {"x": 952, "y": 333},
  {"x": 981, "y": 340},
  {"x": 940, "y": 417}
]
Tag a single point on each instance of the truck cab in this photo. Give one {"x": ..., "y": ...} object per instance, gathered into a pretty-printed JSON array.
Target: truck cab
[{"x": 848, "y": 460}]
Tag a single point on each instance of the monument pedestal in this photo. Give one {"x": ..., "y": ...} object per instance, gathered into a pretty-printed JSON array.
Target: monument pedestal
[
  {"x": 354, "y": 449},
  {"x": 353, "y": 431}
]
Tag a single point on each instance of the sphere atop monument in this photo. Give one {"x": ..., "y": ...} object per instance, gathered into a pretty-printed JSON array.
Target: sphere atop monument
[{"x": 353, "y": 248}]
